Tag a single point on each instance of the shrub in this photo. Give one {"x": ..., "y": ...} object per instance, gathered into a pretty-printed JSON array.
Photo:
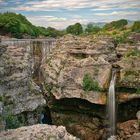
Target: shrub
[
  {"x": 119, "y": 24},
  {"x": 75, "y": 29},
  {"x": 92, "y": 29},
  {"x": 89, "y": 84},
  {"x": 12, "y": 122},
  {"x": 133, "y": 53},
  {"x": 136, "y": 27},
  {"x": 138, "y": 91}
]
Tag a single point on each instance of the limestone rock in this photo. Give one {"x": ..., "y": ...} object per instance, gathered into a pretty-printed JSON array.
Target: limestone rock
[
  {"x": 138, "y": 115},
  {"x": 74, "y": 57},
  {"x": 18, "y": 92},
  {"x": 129, "y": 66},
  {"x": 37, "y": 132},
  {"x": 135, "y": 137}
]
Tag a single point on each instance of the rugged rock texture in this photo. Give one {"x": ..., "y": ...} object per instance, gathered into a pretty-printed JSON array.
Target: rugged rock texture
[
  {"x": 74, "y": 57},
  {"x": 74, "y": 80},
  {"x": 135, "y": 137},
  {"x": 129, "y": 66},
  {"x": 82, "y": 111},
  {"x": 19, "y": 95},
  {"x": 127, "y": 129},
  {"x": 37, "y": 132}
]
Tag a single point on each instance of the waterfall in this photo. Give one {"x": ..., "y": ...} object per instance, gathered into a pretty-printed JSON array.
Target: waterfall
[{"x": 111, "y": 107}]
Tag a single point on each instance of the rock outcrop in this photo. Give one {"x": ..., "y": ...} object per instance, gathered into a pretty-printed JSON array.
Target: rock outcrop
[
  {"x": 37, "y": 132},
  {"x": 19, "y": 95},
  {"x": 73, "y": 58},
  {"x": 71, "y": 82},
  {"x": 82, "y": 110}
]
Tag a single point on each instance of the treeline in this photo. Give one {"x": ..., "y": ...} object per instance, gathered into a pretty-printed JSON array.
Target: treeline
[
  {"x": 16, "y": 25},
  {"x": 119, "y": 25}
]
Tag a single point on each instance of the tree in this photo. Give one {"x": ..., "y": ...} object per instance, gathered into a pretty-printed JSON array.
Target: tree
[
  {"x": 119, "y": 24},
  {"x": 136, "y": 27},
  {"x": 75, "y": 29},
  {"x": 18, "y": 26},
  {"x": 92, "y": 29},
  {"x": 12, "y": 25}
]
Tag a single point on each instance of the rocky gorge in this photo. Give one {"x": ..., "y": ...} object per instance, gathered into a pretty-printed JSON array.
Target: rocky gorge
[{"x": 67, "y": 85}]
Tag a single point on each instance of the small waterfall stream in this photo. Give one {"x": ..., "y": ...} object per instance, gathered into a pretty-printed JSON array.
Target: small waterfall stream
[{"x": 111, "y": 106}]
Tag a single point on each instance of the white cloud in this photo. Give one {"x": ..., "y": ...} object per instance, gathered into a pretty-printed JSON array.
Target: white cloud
[
  {"x": 117, "y": 13},
  {"x": 56, "y": 22},
  {"x": 48, "y": 5}
]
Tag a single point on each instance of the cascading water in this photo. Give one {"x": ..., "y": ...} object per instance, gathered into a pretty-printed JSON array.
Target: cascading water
[{"x": 111, "y": 107}]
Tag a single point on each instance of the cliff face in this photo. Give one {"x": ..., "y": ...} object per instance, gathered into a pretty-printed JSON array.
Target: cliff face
[
  {"x": 69, "y": 86},
  {"x": 19, "y": 95},
  {"x": 77, "y": 76}
]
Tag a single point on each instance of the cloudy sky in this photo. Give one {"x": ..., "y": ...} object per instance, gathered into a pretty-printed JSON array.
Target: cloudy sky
[{"x": 61, "y": 13}]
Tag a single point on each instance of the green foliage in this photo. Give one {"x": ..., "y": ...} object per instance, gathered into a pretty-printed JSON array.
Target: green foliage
[
  {"x": 18, "y": 26},
  {"x": 121, "y": 37},
  {"x": 75, "y": 29},
  {"x": 119, "y": 24},
  {"x": 12, "y": 122},
  {"x": 136, "y": 27},
  {"x": 138, "y": 91},
  {"x": 133, "y": 52},
  {"x": 1, "y": 98},
  {"x": 89, "y": 84},
  {"x": 52, "y": 32},
  {"x": 92, "y": 29}
]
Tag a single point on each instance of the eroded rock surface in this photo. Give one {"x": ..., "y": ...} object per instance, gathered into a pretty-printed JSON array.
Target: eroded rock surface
[
  {"x": 37, "y": 132},
  {"x": 72, "y": 59},
  {"x": 70, "y": 104},
  {"x": 18, "y": 93},
  {"x": 74, "y": 79}
]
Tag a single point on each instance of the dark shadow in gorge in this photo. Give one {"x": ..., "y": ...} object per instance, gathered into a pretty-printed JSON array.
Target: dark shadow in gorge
[
  {"x": 127, "y": 111},
  {"x": 76, "y": 106},
  {"x": 46, "y": 116}
]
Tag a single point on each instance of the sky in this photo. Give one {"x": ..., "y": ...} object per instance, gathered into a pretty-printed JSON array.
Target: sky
[{"x": 61, "y": 13}]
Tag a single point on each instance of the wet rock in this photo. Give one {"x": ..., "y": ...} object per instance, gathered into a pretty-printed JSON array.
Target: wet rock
[
  {"x": 112, "y": 138},
  {"x": 138, "y": 115}
]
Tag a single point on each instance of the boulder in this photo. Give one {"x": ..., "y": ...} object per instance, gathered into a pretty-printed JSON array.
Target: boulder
[{"x": 37, "y": 132}]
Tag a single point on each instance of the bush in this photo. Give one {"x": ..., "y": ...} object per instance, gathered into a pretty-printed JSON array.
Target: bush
[
  {"x": 89, "y": 84},
  {"x": 75, "y": 29},
  {"x": 17, "y": 26},
  {"x": 133, "y": 53},
  {"x": 92, "y": 29},
  {"x": 138, "y": 91},
  {"x": 12, "y": 122},
  {"x": 119, "y": 24},
  {"x": 136, "y": 27}
]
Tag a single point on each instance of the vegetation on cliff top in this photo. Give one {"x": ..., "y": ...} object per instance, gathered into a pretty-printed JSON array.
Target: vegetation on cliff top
[{"x": 16, "y": 25}]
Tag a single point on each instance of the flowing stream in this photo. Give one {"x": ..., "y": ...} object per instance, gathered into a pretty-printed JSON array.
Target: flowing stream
[{"x": 111, "y": 107}]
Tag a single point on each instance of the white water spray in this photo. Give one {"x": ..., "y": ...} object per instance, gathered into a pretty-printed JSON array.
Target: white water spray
[{"x": 112, "y": 105}]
